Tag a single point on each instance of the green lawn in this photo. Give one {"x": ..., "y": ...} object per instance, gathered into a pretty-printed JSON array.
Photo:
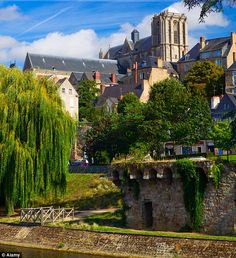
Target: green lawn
[
  {"x": 114, "y": 223},
  {"x": 232, "y": 157},
  {"x": 85, "y": 191}
]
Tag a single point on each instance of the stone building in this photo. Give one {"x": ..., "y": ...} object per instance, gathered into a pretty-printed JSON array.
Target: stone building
[
  {"x": 168, "y": 41},
  {"x": 140, "y": 79},
  {"x": 154, "y": 197},
  {"x": 222, "y": 51},
  {"x": 230, "y": 78}
]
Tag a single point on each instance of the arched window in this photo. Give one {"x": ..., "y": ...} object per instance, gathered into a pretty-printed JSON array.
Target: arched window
[
  {"x": 176, "y": 33},
  {"x": 169, "y": 31},
  {"x": 158, "y": 32},
  {"x": 184, "y": 33}
]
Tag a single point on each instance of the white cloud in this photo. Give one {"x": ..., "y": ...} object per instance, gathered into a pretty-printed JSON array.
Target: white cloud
[
  {"x": 86, "y": 43},
  {"x": 10, "y": 13},
  {"x": 214, "y": 19}
]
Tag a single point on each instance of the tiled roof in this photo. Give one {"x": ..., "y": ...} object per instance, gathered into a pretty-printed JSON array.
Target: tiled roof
[
  {"x": 215, "y": 44},
  {"x": 232, "y": 67},
  {"x": 210, "y": 45},
  {"x": 81, "y": 65},
  {"x": 143, "y": 44},
  {"x": 193, "y": 53}
]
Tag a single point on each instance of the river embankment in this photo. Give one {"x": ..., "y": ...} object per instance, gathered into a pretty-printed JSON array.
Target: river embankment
[{"x": 113, "y": 244}]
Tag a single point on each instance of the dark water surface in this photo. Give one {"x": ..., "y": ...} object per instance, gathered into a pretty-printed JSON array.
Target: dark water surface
[{"x": 6, "y": 251}]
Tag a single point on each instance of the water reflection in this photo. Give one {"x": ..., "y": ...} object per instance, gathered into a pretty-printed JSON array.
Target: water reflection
[{"x": 39, "y": 253}]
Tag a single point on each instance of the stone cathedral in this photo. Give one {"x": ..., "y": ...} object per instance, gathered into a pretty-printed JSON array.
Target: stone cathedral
[{"x": 168, "y": 41}]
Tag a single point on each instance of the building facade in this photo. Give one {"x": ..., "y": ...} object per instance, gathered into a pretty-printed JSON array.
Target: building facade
[
  {"x": 168, "y": 41},
  {"x": 221, "y": 51}
]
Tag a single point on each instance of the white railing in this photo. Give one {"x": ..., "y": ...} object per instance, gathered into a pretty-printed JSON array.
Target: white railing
[{"x": 44, "y": 215}]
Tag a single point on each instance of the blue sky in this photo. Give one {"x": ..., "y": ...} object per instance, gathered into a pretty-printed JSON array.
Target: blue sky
[{"x": 81, "y": 28}]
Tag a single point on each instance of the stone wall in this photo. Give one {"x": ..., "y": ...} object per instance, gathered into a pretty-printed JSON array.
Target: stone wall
[
  {"x": 159, "y": 204},
  {"x": 117, "y": 245}
]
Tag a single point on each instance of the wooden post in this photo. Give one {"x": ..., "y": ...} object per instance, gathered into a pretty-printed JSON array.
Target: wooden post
[{"x": 41, "y": 216}]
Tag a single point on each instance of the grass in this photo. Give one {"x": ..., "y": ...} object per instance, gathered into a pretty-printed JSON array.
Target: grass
[
  {"x": 85, "y": 191},
  {"x": 232, "y": 157},
  {"x": 114, "y": 219},
  {"x": 113, "y": 223}
]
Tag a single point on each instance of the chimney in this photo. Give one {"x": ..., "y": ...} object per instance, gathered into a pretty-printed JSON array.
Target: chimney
[
  {"x": 97, "y": 76},
  {"x": 113, "y": 78},
  {"x": 202, "y": 42},
  {"x": 159, "y": 62},
  {"x": 215, "y": 100},
  {"x": 233, "y": 38},
  {"x": 135, "y": 69},
  {"x": 102, "y": 89},
  {"x": 135, "y": 36}
]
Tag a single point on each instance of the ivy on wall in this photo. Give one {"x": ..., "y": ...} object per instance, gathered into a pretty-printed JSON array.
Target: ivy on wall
[
  {"x": 194, "y": 184},
  {"x": 216, "y": 174}
]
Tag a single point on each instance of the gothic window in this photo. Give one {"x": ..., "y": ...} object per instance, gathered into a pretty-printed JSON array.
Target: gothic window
[
  {"x": 169, "y": 31},
  {"x": 158, "y": 32},
  {"x": 184, "y": 34},
  {"x": 176, "y": 33}
]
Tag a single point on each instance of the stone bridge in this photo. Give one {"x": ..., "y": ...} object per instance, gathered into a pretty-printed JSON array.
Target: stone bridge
[{"x": 156, "y": 169}]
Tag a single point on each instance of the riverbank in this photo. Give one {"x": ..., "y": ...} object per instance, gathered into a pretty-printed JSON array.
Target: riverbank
[{"x": 113, "y": 244}]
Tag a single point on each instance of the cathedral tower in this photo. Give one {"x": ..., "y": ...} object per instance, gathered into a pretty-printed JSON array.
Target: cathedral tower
[{"x": 169, "y": 35}]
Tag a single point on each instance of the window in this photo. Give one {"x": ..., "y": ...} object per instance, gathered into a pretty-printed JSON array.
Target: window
[
  {"x": 63, "y": 90},
  {"x": 234, "y": 78},
  {"x": 170, "y": 32},
  {"x": 71, "y": 102},
  {"x": 70, "y": 91},
  {"x": 218, "y": 62},
  {"x": 184, "y": 34},
  {"x": 226, "y": 106},
  {"x": 142, "y": 76},
  {"x": 176, "y": 33},
  {"x": 186, "y": 67}
]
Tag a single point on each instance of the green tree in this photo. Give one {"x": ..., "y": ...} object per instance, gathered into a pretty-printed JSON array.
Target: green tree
[
  {"x": 208, "y": 6},
  {"x": 35, "y": 138},
  {"x": 116, "y": 133},
  {"x": 87, "y": 95},
  {"x": 207, "y": 78},
  {"x": 222, "y": 135},
  {"x": 175, "y": 114}
]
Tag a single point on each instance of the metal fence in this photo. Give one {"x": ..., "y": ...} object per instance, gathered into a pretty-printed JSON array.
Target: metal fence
[{"x": 44, "y": 215}]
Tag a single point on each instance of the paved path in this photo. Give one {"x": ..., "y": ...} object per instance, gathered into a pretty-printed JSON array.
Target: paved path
[{"x": 86, "y": 213}]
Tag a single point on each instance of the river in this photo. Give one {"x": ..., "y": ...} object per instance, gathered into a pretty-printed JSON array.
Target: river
[{"x": 9, "y": 251}]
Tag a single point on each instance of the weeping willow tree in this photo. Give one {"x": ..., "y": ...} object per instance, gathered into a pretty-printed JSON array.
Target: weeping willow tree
[{"x": 36, "y": 136}]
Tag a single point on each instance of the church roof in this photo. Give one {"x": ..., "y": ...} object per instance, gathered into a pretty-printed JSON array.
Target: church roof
[
  {"x": 68, "y": 64},
  {"x": 141, "y": 45}
]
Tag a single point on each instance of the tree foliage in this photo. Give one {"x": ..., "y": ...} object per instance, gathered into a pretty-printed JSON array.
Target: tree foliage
[
  {"x": 207, "y": 78},
  {"x": 35, "y": 138},
  {"x": 87, "y": 94},
  {"x": 174, "y": 113},
  {"x": 116, "y": 133},
  {"x": 208, "y": 6}
]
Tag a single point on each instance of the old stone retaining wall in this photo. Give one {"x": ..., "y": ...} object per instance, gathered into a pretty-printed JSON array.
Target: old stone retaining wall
[
  {"x": 110, "y": 244},
  {"x": 154, "y": 198}
]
